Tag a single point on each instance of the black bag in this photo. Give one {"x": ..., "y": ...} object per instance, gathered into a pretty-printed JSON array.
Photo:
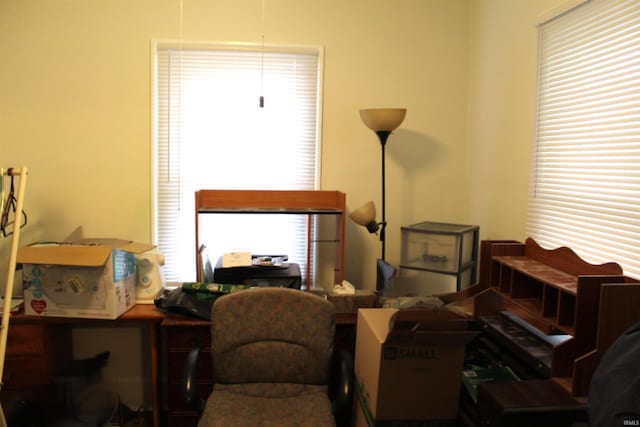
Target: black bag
[
  {"x": 194, "y": 299},
  {"x": 614, "y": 393}
]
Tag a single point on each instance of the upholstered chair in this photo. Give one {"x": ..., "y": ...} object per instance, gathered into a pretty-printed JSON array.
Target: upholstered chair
[{"x": 272, "y": 352}]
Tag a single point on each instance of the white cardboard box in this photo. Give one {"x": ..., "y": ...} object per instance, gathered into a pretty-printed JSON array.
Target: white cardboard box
[
  {"x": 91, "y": 278},
  {"x": 408, "y": 366}
]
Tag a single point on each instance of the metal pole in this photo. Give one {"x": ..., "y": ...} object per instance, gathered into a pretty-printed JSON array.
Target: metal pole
[{"x": 383, "y": 135}]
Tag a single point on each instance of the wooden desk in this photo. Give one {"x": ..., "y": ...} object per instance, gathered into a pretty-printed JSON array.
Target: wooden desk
[
  {"x": 37, "y": 346},
  {"x": 529, "y": 403}
]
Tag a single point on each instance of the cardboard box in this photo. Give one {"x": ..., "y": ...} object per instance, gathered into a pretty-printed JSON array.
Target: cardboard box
[
  {"x": 408, "y": 366},
  {"x": 91, "y": 278}
]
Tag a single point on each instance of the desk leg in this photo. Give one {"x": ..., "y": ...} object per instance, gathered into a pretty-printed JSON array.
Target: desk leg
[{"x": 155, "y": 386}]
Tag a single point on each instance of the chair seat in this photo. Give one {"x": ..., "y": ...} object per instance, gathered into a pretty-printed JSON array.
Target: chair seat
[{"x": 268, "y": 405}]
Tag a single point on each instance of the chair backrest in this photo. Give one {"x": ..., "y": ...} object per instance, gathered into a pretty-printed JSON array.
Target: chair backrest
[{"x": 272, "y": 335}]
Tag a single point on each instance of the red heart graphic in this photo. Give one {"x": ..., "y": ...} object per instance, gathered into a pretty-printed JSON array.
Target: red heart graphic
[{"x": 38, "y": 305}]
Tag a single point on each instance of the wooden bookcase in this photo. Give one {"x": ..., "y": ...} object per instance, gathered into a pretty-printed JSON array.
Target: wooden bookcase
[
  {"x": 557, "y": 292},
  {"x": 301, "y": 202}
]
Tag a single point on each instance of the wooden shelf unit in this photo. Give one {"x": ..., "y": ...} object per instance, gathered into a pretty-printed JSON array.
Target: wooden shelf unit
[
  {"x": 557, "y": 292},
  {"x": 301, "y": 202}
]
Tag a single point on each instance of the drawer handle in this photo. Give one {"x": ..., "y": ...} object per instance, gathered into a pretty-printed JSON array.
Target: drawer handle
[{"x": 189, "y": 391}]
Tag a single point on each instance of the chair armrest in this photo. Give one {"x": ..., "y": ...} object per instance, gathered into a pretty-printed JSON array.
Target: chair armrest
[
  {"x": 189, "y": 390},
  {"x": 342, "y": 399}
]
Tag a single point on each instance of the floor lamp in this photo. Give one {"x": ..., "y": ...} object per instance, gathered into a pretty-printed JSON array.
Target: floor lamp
[{"x": 382, "y": 121}]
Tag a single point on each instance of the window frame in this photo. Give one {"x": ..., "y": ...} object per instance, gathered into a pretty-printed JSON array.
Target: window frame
[{"x": 157, "y": 44}]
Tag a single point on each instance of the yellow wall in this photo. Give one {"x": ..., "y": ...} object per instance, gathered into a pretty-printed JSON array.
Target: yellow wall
[
  {"x": 501, "y": 118},
  {"x": 75, "y": 107}
]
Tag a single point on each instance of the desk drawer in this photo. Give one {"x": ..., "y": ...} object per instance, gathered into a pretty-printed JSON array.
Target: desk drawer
[
  {"x": 187, "y": 337},
  {"x": 26, "y": 340},
  {"x": 178, "y": 340},
  {"x": 29, "y": 361},
  {"x": 25, "y": 372}
]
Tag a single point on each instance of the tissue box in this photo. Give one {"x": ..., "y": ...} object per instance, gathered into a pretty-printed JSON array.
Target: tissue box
[
  {"x": 351, "y": 303},
  {"x": 91, "y": 278}
]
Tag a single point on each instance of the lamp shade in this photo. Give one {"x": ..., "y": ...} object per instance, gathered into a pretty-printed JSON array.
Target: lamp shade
[
  {"x": 383, "y": 119},
  {"x": 365, "y": 215}
]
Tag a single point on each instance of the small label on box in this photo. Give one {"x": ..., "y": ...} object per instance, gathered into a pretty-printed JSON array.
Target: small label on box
[
  {"x": 76, "y": 285},
  {"x": 404, "y": 353}
]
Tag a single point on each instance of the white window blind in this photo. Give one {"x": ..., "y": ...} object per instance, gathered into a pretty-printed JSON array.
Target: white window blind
[
  {"x": 211, "y": 133},
  {"x": 585, "y": 191}
]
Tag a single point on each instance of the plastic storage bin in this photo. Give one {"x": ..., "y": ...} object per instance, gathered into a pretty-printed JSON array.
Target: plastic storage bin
[{"x": 438, "y": 257}]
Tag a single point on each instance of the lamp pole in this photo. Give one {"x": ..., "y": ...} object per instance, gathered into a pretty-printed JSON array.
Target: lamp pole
[{"x": 383, "y": 135}]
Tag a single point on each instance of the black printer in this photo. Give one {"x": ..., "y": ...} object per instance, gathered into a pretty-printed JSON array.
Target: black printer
[{"x": 285, "y": 275}]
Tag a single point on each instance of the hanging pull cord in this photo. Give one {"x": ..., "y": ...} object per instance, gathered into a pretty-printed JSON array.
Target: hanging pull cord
[
  {"x": 261, "y": 99},
  {"x": 9, "y": 211}
]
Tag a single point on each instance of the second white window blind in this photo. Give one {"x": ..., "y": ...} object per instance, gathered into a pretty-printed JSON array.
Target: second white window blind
[{"x": 585, "y": 190}]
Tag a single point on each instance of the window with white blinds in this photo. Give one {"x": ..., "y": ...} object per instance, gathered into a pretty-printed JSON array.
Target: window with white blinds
[
  {"x": 585, "y": 186},
  {"x": 210, "y": 132}
]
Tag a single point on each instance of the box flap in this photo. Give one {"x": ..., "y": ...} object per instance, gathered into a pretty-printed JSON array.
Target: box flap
[
  {"x": 137, "y": 248},
  {"x": 427, "y": 315},
  {"x": 380, "y": 320},
  {"x": 390, "y": 324},
  {"x": 124, "y": 245},
  {"x": 64, "y": 254}
]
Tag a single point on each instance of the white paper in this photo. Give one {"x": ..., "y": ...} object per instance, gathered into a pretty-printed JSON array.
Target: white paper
[{"x": 236, "y": 259}]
